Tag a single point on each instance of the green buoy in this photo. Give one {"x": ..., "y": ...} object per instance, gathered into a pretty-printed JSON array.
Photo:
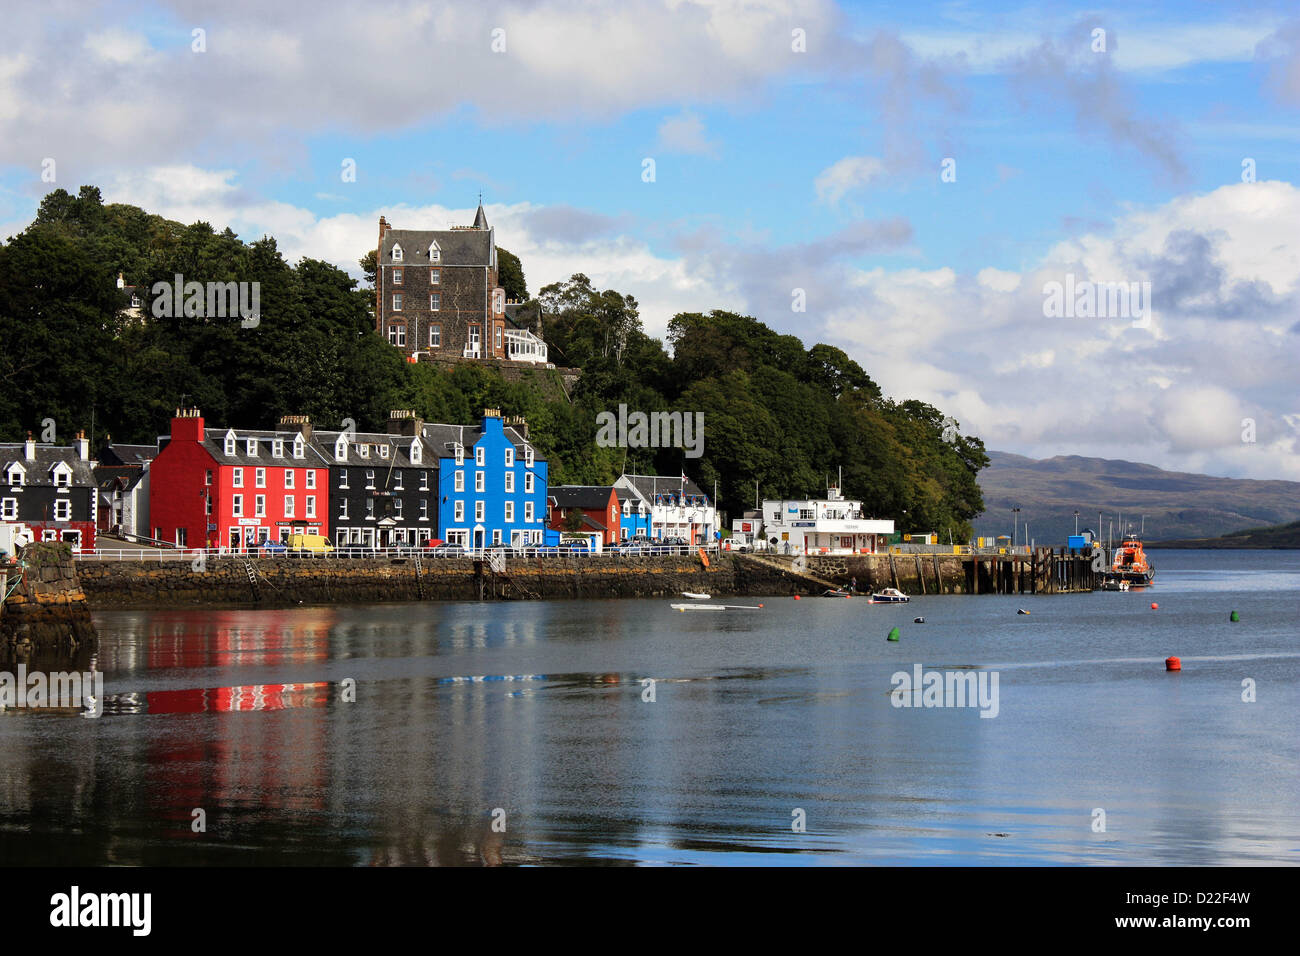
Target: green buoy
[
  {"x": 893, "y": 634},
  {"x": 1234, "y": 617}
]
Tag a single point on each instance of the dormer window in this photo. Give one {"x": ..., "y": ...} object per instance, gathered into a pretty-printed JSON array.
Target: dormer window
[
  {"x": 416, "y": 452},
  {"x": 250, "y": 446},
  {"x": 299, "y": 447},
  {"x": 62, "y": 475},
  {"x": 459, "y": 451},
  {"x": 16, "y": 474},
  {"x": 277, "y": 448},
  {"x": 435, "y": 253},
  {"x": 230, "y": 443},
  {"x": 383, "y": 451},
  {"x": 397, "y": 252},
  {"x": 363, "y": 451},
  {"x": 341, "y": 450},
  {"x": 528, "y": 456}
]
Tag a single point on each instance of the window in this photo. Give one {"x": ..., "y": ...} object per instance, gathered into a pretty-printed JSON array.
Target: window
[
  {"x": 496, "y": 535},
  {"x": 311, "y": 478},
  {"x": 17, "y": 475},
  {"x": 478, "y": 511},
  {"x": 259, "y": 506},
  {"x": 480, "y": 456},
  {"x": 510, "y": 481},
  {"x": 237, "y": 477},
  {"x": 397, "y": 302},
  {"x": 343, "y": 478},
  {"x": 460, "y": 511},
  {"x": 424, "y": 481},
  {"x": 460, "y": 481},
  {"x": 528, "y": 511},
  {"x": 397, "y": 508},
  {"x": 207, "y": 477},
  {"x": 341, "y": 450},
  {"x": 435, "y": 301},
  {"x": 311, "y": 506},
  {"x": 435, "y": 276},
  {"x": 370, "y": 478},
  {"x": 435, "y": 254},
  {"x": 510, "y": 511},
  {"x": 370, "y": 509},
  {"x": 230, "y": 444},
  {"x": 9, "y": 509},
  {"x": 237, "y": 505},
  {"x": 343, "y": 509},
  {"x": 397, "y": 482},
  {"x": 478, "y": 481},
  {"x": 424, "y": 509},
  {"x": 182, "y": 537},
  {"x": 207, "y": 504},
  {"x": 397, "y": 277},
  {"x": 250, "y": 447},
  {"x": 510, "y": 457},
  {"x": 435, "y": 336},
  {"x": 277, "y": 448},
  {"x": 383, "y": 451},
  {"x": 62, "y": 476},
  {"x": 528, "y": 482},
  {"x": 363, "y": 451},
  {"x": 397, "y": 253},
  {"x": 417, "y": 454},
  {"x": 259, "y": 478},
  {"x": 299, "y": 447},
  {"x": 460, "y": 454},
  {"x": 288, "y": 506},
  {"x": 528, "y": 456},
  {"x": 288, "y": 477},
  {"x": 498, "y": 338}
]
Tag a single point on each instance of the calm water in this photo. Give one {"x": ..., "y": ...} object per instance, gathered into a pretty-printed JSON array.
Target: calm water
[{"x": 756, "y": 713}]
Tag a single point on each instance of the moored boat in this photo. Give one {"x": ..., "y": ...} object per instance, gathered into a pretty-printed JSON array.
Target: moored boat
[
  {"x": 1131, "y": 563},
  {"x": 889, "y": 596}
]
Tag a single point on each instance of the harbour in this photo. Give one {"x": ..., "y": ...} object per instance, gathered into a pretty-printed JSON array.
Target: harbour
[{"x": 624, "y": 732}]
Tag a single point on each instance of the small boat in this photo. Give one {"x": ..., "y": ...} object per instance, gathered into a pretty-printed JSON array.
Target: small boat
[
  {"x": 695, "y": 596},
  {"x": 836, "y": 592},
  {"x": 1131, "y": 563},
  {"x": 889, "y": 596},
  {"x": 1114, "y": 584}
]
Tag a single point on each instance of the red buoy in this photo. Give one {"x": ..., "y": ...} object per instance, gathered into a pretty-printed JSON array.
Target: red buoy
[
  {"x": 796, "y": 597},
  {"x": 1173, "y": 664},
  {"x": 1154, "y": 606}
]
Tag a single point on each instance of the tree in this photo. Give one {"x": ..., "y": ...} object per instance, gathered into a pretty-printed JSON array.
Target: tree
[{"x": 510, "y": 273}]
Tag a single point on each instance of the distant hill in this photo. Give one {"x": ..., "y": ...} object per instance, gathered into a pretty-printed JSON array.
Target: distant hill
[
  {"x": 1279, "y": 536},
  {"x": 1177, "y": 505}
]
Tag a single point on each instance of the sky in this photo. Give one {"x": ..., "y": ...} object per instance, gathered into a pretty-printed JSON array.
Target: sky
[{"x": 909, "y": 183}]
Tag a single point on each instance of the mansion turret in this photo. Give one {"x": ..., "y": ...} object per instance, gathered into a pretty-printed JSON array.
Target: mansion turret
[{"x": 438, "y": 295}]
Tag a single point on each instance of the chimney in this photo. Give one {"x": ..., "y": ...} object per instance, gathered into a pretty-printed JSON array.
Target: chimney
[
  {"x": 519, "y": 424},
  {"x": 296, "y": 423},
  {"x": 187, "y": 425},
  {"x": 83, "y": 446},
  {"x": 29, "y": 448},
  {"x": 404, "y": 422}
]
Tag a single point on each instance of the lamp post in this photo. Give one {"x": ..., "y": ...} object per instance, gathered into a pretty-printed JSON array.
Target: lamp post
[
  {"x": 1076, "y": 522},
  {"x": 1014, "y": 511}
]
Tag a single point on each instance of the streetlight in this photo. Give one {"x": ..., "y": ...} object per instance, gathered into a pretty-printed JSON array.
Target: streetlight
[
  {"x": 1014, "y": 511},
  {"x": 1076, "y": 522}
]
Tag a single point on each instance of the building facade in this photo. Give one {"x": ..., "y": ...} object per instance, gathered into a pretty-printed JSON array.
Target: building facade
[
  {"x": 491, "y": 484},
  {"x": 122, "y": 473},
  {"x": 634, "y": 519},
  {"x": 51, "y": 489},
  {"x": 231, "y": 489},
  {"x": 438, "y": 294},
  {"x": 597, "y": 504},
  {"x": 383, "y": 487},
  {"x": 678, "y": 507},
  {"x": 830, "y": 525}
]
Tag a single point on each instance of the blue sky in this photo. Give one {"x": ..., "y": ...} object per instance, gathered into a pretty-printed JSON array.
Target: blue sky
[{"x": 775, "y": 169}]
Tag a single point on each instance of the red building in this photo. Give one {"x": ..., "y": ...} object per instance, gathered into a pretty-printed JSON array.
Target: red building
[
  {"x": 232, "y": 488},
  {"x": 598, "y": 505}
]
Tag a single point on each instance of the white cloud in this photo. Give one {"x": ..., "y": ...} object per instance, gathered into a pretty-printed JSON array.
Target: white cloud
[
  {"x": 685, "y": 133},
  {"x": 845, "y": 175}
]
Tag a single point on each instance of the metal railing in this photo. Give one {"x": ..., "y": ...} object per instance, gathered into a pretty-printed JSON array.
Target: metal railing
[{"x": 346, "y": 552}]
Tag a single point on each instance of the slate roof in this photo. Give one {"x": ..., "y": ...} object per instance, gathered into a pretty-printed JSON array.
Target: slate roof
[
  {"x": 399, "y": 450},
  {"x": 38, "y": 471},
  {"x": 591, "y": 497},
  {"x": 118, "y": 477},
  {"x": 214, "y": 441},
  {"x": 651, "y": 485},
  {"x": 118, "y": 454},
  {"x": 459, "y": 247},
  {"x": 439, "y": 437}
]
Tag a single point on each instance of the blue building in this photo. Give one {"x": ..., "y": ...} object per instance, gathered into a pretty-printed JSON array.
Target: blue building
[
  {"x": 491, "y": 485},
  {"x": 635, "y": 517}
]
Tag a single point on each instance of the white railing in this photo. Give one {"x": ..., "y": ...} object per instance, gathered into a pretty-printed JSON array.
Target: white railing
[{"x": 345, "y": 552}]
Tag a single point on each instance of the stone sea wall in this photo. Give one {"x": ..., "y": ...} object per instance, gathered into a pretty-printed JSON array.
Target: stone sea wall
[{"x": 47, "y": 610}]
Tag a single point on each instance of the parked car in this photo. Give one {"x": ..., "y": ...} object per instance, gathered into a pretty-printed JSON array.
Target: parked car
[
  {"x": 267, "y": 546},
  {"x": 309, "y": 544},
  {"x": 445, "y": 550}
]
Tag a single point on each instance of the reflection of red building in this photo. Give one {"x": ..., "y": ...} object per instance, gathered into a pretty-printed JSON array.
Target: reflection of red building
[{"x": 228, "y": 489}]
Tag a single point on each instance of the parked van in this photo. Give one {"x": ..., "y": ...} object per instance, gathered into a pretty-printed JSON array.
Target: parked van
[{"x": 309, "y": 544}]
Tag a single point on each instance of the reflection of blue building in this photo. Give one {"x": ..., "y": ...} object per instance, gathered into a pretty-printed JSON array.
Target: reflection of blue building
[
  {"x": 491, "y": 486},
  {"x": 635, "y": 513}
]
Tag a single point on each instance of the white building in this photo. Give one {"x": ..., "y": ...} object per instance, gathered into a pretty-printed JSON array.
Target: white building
[
  {"x": 678, "y": 507},
  {"x": 829, "y": 525}
]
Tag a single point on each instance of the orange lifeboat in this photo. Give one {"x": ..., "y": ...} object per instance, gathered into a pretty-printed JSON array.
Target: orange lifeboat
[{"x": 1131, "y": 563}]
